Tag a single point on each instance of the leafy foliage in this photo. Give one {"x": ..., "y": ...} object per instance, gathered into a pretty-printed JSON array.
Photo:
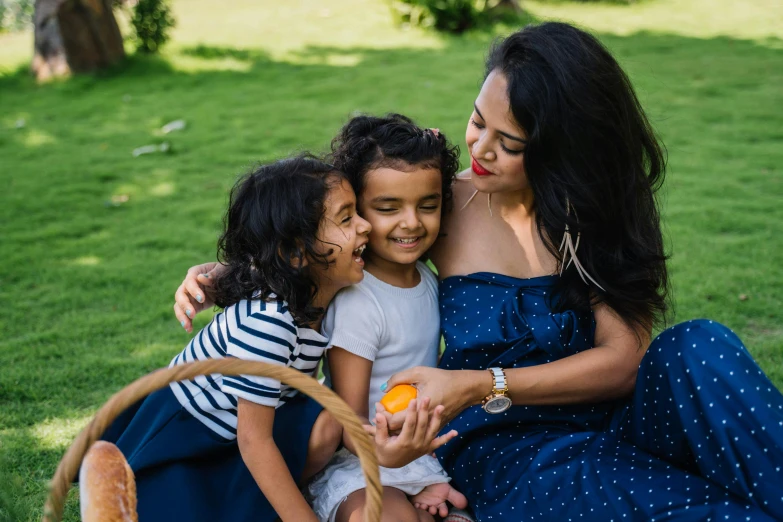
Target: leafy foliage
[
  {"x": 152, "y": 20},
  {"x": 15, "y": 14},
  {"x": 453, "y": 16}
]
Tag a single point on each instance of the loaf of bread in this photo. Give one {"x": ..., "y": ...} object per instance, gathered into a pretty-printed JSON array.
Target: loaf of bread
[{"x": 107, "y": 489}]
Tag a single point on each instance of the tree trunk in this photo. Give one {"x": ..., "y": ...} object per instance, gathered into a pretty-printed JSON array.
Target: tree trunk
[{"x": 75, "y": 36}]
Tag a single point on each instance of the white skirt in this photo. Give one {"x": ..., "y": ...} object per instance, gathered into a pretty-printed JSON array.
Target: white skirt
[{"x": 343, "y": 475}]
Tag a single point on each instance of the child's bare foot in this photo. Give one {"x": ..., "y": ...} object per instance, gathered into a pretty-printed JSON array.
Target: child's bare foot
[{"x": 433, "y": 499}]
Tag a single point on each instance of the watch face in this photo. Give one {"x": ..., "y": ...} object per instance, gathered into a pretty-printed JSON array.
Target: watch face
[{"x": 497, "y": 404}]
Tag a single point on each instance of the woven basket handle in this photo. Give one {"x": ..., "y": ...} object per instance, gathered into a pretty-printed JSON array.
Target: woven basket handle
[{"x": 71, "y": 461}]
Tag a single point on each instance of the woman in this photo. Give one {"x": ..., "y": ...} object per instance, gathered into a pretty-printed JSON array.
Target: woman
[{"x": 552, "y": 276}]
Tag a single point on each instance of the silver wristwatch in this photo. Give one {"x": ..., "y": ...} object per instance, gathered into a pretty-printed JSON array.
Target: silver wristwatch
[{"x": 498, "y": 401}]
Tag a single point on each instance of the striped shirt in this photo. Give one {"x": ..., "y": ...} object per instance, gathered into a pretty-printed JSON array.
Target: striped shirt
[{"x": 253, "y": 330}]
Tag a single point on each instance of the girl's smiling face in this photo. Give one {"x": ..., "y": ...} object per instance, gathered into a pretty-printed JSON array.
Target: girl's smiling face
[
  {"x": 495, "y": 140},
  {"x": 404, "y": 209},
  {"x": 345, "y": 233}
]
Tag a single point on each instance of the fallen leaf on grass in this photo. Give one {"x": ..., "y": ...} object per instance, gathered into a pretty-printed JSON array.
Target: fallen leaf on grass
[
  {"x": 117, "y": 200},
  {"x": 151, "y": 149},
  {"x": 172, "y": 126}
]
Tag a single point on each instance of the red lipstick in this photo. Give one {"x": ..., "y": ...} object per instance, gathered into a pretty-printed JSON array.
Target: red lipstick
[{"x": 478, "y": 169}]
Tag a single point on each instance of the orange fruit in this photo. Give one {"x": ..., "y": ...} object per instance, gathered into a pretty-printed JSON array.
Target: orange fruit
[{"x": 397, "y": 398}]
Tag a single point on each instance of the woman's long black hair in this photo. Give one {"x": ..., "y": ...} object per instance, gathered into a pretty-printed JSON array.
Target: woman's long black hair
[
  {"x": 590, "y": 146},
  {"x": 271, "y": 226},
  {"x": 395, "y": 141}
]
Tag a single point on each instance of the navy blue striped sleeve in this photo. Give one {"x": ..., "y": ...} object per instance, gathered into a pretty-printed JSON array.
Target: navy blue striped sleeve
[{"x": 258, "y": 331}]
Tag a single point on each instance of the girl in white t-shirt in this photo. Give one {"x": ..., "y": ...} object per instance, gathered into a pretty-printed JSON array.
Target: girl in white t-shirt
[
  {"x": 389, "y": 322},
  {"x": 403, "y": 177}
]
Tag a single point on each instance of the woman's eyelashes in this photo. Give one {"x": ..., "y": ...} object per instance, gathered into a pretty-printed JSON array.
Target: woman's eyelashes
[
  {"x": 502, "y": 146},
  {"x": 509, "y": 151}
]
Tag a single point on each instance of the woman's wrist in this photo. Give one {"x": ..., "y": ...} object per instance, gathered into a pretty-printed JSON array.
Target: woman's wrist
[{"x": 478, "y": 386}]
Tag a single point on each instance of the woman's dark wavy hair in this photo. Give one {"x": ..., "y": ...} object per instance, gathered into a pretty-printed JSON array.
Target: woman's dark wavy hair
[
  {"x": 369, "y": 142},
  {"x": 590, "y": 145},
  {"x": 271, "y": 225}
]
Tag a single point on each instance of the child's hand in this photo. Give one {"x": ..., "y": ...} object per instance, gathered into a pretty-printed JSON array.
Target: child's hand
[
  {"x": 195, "y": 293},
  {"x": 417, "y": 437},
  {"x": 393, "y": 420}
]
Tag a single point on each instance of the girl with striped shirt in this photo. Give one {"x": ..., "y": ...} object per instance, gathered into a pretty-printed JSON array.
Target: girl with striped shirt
[{"x": 235, "y": 447}]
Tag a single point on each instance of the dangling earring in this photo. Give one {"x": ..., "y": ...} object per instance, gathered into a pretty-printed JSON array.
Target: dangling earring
[
  {"x": 469, "y": 200},
  {"x": 568, "y": 251},
  {"x": 489, "y": 201}
]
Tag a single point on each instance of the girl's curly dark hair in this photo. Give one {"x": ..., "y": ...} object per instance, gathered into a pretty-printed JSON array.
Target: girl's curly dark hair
[
  {"x": 271, "y": 226},
  {"x": 394, "y": 141}
]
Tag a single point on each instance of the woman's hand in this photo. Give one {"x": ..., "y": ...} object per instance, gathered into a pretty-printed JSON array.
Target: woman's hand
[
  {"x": 195, "y": 293},
  {"x": 417, "y": 438},
  {"x": 455, "y": 390}
]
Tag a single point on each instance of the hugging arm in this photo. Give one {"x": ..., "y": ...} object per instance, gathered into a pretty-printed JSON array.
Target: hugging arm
[
  {"x": 195, "y": 292},
  {"x": 606, "y": 371}
]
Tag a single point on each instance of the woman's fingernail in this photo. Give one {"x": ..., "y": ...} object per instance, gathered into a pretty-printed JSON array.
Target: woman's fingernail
[
  {"x": 182, "y": 323},
  {"x": 187, "y": 312},
  {"x": 384, "y": 386},
  {"x": 206, "y": 275},
  {"x": 199, "y": 298}
]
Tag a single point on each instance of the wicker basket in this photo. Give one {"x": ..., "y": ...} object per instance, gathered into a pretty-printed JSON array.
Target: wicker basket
[{"x": 71, "y": 461}]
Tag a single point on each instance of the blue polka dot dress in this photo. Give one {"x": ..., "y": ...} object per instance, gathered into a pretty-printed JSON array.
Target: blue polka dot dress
[{"x": 700, "y": 440}]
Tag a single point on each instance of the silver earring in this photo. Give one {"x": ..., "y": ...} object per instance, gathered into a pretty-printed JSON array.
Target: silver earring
[{"x": 568, "y": 252}]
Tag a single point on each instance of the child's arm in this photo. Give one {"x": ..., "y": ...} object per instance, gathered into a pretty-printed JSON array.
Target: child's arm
[
  {"x": 266, "y": 464},
  {"x": 350, "y": 376}
]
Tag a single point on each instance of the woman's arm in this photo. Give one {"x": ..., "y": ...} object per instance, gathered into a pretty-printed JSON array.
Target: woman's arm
[
  {"x": 266, "y": 464},
  {"x": 607, "y": 371}
]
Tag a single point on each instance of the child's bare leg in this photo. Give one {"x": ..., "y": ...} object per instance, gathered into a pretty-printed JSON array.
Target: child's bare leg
[
  {"x": 324, "y": 439},
  {"x": 432, "y": 499},
  {"x": 396, "y": 508}
]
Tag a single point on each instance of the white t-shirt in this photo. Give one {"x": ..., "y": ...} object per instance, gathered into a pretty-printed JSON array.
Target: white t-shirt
[{"x": 396, "y": 328}]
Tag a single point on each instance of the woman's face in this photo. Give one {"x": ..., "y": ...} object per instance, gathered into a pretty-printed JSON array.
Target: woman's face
[{"x": 495, "y": 140}]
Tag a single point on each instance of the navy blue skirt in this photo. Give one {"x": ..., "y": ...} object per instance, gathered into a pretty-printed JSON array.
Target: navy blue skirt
[{"x": 185, "y": 471}]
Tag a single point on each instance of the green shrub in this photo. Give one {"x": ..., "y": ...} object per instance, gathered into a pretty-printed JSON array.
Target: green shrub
[
  {"x": 454, "y": 16},
  {"x": 152, "y": 20},
  {"x": 15, "y": 14}
]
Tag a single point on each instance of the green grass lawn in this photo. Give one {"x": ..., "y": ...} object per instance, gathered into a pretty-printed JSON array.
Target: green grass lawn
[{"x": 94, "y": 241}]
